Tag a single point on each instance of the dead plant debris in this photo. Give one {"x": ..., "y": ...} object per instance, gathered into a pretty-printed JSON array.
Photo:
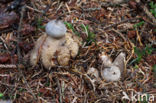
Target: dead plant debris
[{"x": 106, "y": 26}]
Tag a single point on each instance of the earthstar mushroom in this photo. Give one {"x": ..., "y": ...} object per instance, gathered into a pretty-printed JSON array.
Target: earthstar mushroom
[
  {"x": 55, "y": 47},
  {"x": 112, "y": 71}
]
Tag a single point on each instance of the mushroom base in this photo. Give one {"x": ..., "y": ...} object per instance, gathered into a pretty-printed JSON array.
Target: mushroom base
[{"x": 53, "y": 52}]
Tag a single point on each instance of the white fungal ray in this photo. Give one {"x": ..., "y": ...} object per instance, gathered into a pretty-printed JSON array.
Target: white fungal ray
[
  {"x": 72, "y": 44},
  {"x": 120, "y": 61},
  {"x": 50, "y": 51},
  {"x": 111, "y": 74},
  {"x": 35, "y": 52},
  {"x": 55, "y": 47},
  {"x": 112, "y": 71},
  {"x": 93, "y": 71},
  {"x": 106, "y": 61},
  {"x": 56, "y": 29},
  {"x": 54, "y": 51}
]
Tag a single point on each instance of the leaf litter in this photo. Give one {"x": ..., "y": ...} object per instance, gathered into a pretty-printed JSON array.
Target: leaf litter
[{"x": 114, "y": 27}]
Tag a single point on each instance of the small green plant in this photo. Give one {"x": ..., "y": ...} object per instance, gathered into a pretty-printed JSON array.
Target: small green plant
[
  {"x": 1, "y": 95},
  {"x": 47, "y": 84},
  {"x": 141, "y": 52},
  {"x": 153, "y": 8},
  {"x": 138, "y": 24},
  {"x": 39, "y": 23},
  {"x": 70, "y": 26},
  {"x": 90, "y": 35},
  {"x": 123, "y": 101},
  {"x": 136, "y": 66},
  {"x": 22, "y": 89},
  {"x": 40, "y": 94}
]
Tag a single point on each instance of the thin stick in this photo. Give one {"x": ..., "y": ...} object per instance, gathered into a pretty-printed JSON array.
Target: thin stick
[
  {"x": 139, "y": 38},
  {"x": 7, "y": 66},
  {"x": 146, "y": 11},
  {"x": 6, "y": 30},
  {"x": 68, "y": 8},
  {"x": 19, "y": 52},
  {"x": 9, "y": 85},
  {"x": 91, "y": 9},
  {"x": 118, "y": 23},
  {"x": 60, "y": 91},
  {"x": 3, "y": 41},
  {"x": 120, "y": 34},
  {"x": 85, "y": 77},
  {"x": 33, "y": 9}
]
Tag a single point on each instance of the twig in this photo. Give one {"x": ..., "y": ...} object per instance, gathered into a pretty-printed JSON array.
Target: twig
[
  {"x": 34, "y": 9},
  {"x": 59, "y": 6},
  {"x": 19, "y": 52},
  {"x": 118, "y": 23},
  {"x": 121, "y": 35},
  {"x": 11, "y": 66},
  {"x": 132, "y": 53},
  {"x": 6, "y": 30},
  {"x": 86, "y": 78},
  {"x": 9, "y": 85},
  {"x": 5, "y": 45},
  {"x": 7, "y": 66},
  {"x": 90, "y": 9},
  {"x": 68, "y": 8},
  {"x": 4, "y": 75},
  {"x": 139, "y": 38},
  {"x": 74, "y": 100},
  {"x": 146, "y": 11},
  {"x": 143, "y": 28},
  {"x": 60, "y": 91}
]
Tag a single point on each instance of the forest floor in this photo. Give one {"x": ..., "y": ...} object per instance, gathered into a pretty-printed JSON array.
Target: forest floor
[{"x": 112, "y": 27}]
